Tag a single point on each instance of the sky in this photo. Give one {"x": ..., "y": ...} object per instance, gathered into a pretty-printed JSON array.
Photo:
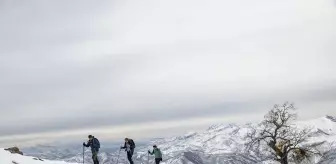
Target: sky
[{"x": 153, "y": 68}]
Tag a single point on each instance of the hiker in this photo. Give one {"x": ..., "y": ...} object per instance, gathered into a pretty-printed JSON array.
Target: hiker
[
  {"x": 95, "y": 145},
  {"x": 157, "y": 153},
  {"x": 129, "y": 148}
]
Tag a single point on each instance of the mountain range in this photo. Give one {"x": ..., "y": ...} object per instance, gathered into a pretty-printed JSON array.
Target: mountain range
[{"x": 219, "y": 144}]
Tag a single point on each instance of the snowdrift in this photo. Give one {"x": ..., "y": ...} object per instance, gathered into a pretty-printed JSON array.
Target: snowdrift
[
  {"x": 9, "y": 158},
  {"x": 219, "y": 144}
]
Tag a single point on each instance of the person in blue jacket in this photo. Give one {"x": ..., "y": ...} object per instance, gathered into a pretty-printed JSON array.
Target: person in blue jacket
[{"x": 95, "y": 145}]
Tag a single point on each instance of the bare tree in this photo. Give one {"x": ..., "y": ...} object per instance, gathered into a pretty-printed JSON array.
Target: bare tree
[{"x": 277, "y": 139}]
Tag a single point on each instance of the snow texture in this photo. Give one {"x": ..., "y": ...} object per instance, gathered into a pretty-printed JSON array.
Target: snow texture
[
  {"x": 9, "y": 158},
  {"x": 219, "y": 144}
]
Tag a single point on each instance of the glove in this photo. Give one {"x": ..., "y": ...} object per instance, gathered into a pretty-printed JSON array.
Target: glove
[
  {"x": 83, "y": 143},
  {"x": 148, "y": 151}
]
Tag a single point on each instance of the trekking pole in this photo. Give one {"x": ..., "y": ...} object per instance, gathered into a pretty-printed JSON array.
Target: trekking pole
[
  {"x": 147, "y": 158},
  {"x": 118, "y": 156},
  {"x": 83, "y": 154}
]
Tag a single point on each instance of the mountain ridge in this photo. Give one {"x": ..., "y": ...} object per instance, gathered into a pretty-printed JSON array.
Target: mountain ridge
[{"x": 217, "y": 144}]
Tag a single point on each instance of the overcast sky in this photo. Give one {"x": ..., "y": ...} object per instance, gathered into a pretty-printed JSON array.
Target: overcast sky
[{"x": 126, "y": 66}]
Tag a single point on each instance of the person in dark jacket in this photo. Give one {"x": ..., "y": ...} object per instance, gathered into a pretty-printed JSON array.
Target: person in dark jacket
[
  {"x": 129, "y": 148},
  {"x": 95, "y": 145},
  {"x": 157, "y": 153}
]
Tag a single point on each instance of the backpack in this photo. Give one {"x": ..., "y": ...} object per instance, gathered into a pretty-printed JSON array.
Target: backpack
[
  {"x": 96, "y": 143},
  {"x": 132, "y": 144}
]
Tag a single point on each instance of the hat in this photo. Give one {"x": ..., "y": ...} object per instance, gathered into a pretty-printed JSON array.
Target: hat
[
  {"x": 90, "y": 136},
  {"x": 154, "y": 146}
]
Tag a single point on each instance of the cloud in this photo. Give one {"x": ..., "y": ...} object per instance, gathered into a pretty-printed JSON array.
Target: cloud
[
  {"x": 142, "y": 131},
  {"x": 74, "y": 65}
]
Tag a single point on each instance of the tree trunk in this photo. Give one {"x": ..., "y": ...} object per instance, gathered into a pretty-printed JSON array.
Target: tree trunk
[{"x": 284, "y": 160}]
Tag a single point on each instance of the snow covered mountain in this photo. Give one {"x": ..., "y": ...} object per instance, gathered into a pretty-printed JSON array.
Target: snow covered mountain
[
  {"x": 8, "y": 158},
  {"x": 72, "y": 152},
  {"x": 219, "y": 144}
]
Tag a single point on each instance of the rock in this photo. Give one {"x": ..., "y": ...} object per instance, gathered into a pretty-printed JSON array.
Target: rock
[
  {"x": 38, "y": 159},
  {"x": 14, "y": 150},
  {"x": 331, "y": 118}
]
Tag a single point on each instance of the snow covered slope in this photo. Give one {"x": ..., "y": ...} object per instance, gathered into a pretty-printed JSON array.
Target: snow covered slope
[
  {"x": 219, "y": 144},
  {"x": 8, "y": 158}
]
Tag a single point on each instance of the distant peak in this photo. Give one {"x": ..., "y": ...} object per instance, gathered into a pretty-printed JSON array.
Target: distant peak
[
  {"x": 331, "y": 118},
  {"x": 215, "y": 126}
]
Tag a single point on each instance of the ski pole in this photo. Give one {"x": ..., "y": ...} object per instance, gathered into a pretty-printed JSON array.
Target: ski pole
[
  {"x": 118, "y": 155},
  {"x": 83, "y": 154},
  {"x": 147, "y": 158}
]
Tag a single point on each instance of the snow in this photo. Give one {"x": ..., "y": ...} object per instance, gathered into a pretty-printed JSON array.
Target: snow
[
  {"x": 324, "y": 128},
  {"x": 219, "y": 144},
  {"x": 9, "y": 158}
]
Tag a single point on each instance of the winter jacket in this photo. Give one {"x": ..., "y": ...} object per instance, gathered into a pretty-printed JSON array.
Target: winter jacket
[
  {"x": 156, "y": 152},
  {"x": 93, "y": 143}
]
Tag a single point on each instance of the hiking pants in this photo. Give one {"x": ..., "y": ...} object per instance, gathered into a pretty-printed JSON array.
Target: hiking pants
[
  {"x": 158, "y": 160},
  {"x": 129, "y": 156},
  {"x": 95, "y": 157}
]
